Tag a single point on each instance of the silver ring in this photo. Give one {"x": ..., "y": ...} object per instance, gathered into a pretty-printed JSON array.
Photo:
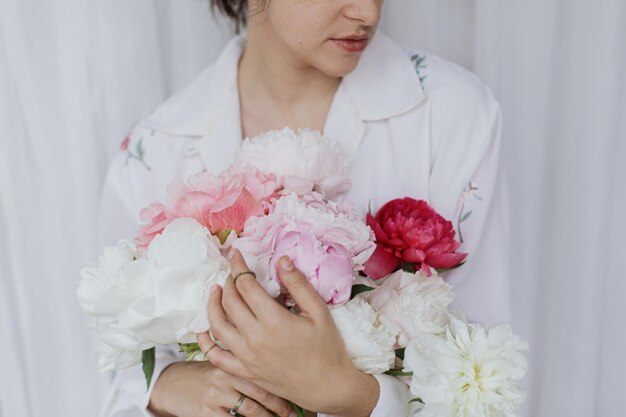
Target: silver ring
[
  {"x": 233, "y": 411},
  {"x": 238, "y": 274}
]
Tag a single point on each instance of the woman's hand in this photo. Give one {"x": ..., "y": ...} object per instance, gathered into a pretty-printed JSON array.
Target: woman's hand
[
  {"x": 300, "y": 357},
  {"x": 199, "y": 389}
]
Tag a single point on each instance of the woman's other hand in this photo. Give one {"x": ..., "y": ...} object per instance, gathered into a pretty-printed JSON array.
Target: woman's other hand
[
  {"x": 199, "y": 389},
  {"x": 300, "y": 357}
]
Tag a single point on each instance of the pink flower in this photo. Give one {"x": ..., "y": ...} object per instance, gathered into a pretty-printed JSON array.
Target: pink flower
[
  {"x": 222, "y": 204},
  {"x": 154, "y": 221},
  {"x": 411, "y": 232},
  {"x": 327, "y": 265},
  {"x": 325, "y": 240},
  {"x": 125, "y": 143}
]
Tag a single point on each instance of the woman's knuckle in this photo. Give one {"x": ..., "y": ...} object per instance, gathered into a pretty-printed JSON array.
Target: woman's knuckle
[
  {"x": 209, "y": 396},
  {"x": 253, "y": 409},
  {"x": 284, "y": 410},
  {"x": 205, "y": 411},
  {"x": 216, "y": 361},
  {"x": 255, "y": 340},
  {"x": 217, "y": 329},
  {"x": 263, "y": 396}
]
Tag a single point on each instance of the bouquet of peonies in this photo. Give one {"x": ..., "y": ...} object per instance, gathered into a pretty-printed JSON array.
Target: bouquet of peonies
[{"x": 380, "y": 277}]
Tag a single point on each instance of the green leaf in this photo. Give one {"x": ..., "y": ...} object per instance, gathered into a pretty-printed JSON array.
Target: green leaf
[
  {"x": 148, "y": 360},
  {"x": 139, "y": 149},
  {"x": 398, "y": 372},
  {"x": 444, "y": 270},
  {"x": 465, "y": 216},
  {"x": 408, "y": 267},
  {"x": 400, "y": 353},
  {"x": 223, "y": 235},
  {"x": 189, "y": 349},
  {"x": 358, "y": 289},
  {"x": 299, "y": 410}
]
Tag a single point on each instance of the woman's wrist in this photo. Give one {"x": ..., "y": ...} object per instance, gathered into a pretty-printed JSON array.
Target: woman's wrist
[
  {"x": 157, "y": 400},
  {"x": 358, "y": 395}
]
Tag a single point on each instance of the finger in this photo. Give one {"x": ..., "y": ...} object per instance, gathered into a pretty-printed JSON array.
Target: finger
[
  {"x": 263, "y": 397},
  {"x": 219, "y": 412},
  {"x": 300, "y": 289},
  {"x": 236, "y": 307},
  {"x": 222, "y": 359},
  {"x": 248, "y": 407},
  {"x": 254, "y": 295},
  {"x": 251, "y": 408},
  {"x": 221, "y": 328}
]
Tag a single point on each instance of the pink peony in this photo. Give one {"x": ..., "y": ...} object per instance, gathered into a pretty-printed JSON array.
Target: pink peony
[
  {"x": 222, "y": 204},
  {"x": 411, "y": 232},
  {"x": 328, "y": 266},
  {"x": 325, "y": 240},
  {"x": 154, "y": 221}
]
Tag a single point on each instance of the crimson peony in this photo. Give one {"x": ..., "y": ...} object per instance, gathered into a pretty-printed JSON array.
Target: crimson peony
[{"x": 411, "y": 234}]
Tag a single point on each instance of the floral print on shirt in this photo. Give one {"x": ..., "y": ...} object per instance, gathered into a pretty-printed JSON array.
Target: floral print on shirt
[
  {"x": 137, "y": 151},
  {"x": 470, "y": 192},
  {"x": 419, "y": 61}
]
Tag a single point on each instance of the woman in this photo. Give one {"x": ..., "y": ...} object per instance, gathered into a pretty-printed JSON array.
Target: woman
[{"x": 413, "y": 125}]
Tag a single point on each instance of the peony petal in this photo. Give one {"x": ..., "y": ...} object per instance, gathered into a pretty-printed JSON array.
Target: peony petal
[
  {"x": 446, "y": 260},
  {"x": 381, "y": 263},
  {"x": 381, "y": 236},
  {"x": 413, "y": 255}
]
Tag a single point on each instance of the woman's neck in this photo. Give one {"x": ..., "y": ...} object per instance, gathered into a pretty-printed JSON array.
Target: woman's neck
[{"x": 277, "y": 89}]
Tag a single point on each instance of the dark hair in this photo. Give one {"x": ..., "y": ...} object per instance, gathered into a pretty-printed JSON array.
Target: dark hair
[{"x": 236, "y": 10}]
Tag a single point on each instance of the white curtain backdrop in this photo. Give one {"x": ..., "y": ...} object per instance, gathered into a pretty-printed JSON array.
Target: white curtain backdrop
[{"x": 75, "y": 75}]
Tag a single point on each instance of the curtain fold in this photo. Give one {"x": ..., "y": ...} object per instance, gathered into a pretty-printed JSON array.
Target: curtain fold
[{"x": 76, "y": 75}]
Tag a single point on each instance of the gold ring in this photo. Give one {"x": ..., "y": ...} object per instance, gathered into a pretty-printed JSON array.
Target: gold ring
[
  {"x": 238, "y": 274},
  {"x": 233, "y": 411},
  {"x": 208, "y": 350}
]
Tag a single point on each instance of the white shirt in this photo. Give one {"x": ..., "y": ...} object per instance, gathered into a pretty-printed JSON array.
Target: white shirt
[{"x": 413, "y": 124}]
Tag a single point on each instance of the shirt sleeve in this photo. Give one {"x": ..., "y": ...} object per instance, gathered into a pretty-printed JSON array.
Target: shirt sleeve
[
  {"x": 477, "y": 203},
  {"x": 126, "y": 395}
]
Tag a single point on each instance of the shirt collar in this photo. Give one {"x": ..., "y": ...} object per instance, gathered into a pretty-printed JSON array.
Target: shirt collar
[{"x": 383, "y": 85}]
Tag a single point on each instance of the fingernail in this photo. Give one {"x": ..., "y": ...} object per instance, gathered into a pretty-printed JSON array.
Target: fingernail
[
  {"x": 286, "y": 264},
  {"x": 292, "y": 414},
  {"x": 213, "y": 288}
]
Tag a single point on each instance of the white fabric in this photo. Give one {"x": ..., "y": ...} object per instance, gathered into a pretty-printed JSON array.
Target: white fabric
[
  {"x": 404, "y": 137},
  {"x": 75, "y": 75}
]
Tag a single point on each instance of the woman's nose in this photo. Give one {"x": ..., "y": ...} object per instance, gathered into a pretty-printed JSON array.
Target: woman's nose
[{"x": 367, "y": 12}]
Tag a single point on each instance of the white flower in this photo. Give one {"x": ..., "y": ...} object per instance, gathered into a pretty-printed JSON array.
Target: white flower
[
  {"x": 304, "y": 161},
  {"x": 110, "y": 358},
  {"x": 410, "y": 304},
  {"x": 471, "y": 371},
  {"x": 157, "y": 300},
  {"x": 368, "y": 343},
  {"x": 100, "y": 277}
]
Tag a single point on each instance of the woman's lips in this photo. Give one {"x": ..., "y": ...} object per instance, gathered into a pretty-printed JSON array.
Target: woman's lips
[{"x": 351, "y": 45}]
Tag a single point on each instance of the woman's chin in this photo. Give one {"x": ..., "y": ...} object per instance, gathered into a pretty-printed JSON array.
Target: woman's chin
[{"x": 338, "y": 66}]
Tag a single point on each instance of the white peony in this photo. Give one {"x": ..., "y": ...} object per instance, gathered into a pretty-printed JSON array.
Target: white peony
[
  {"x": 410, "y": 304},
  {"x": 304, "y": 161},
  {"x": 470, "y": 371},
  {"x": 157, "y": 300},
  {"x": 369, "y": 344},
  {"x": 110, "y": 358}
]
